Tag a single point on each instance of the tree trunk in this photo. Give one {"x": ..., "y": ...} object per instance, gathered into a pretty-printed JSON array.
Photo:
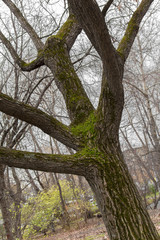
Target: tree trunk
[
  {"x": 123, "y": 213},
  {"x": 17, "y": 197},
  {"x": 4, "y": 206},
  {"x": 17, "y": 226},
  {"x": 52, "y": 179},
  {"x": 32, "y": 182}
]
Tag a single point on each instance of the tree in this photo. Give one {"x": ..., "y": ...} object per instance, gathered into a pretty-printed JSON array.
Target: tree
[{"x": 93, "y": 133}]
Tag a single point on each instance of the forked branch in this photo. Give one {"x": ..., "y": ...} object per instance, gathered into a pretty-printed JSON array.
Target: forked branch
[
  {"x": 23, "y": 65},
  {"x": 93, "y": 23}
]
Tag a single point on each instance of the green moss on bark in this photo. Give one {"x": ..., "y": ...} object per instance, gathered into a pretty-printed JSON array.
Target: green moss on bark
[
  {"x": 65, "y": 29},
  {"x": 86, "y": 131},
  {"x": 85, "y": 128},
  {"x": 132, "y": 27},
  {"x": 77, "y": 102}
]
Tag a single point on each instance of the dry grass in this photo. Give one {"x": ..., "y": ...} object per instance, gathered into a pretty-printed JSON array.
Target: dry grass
[{"x": 93, "y": 230}]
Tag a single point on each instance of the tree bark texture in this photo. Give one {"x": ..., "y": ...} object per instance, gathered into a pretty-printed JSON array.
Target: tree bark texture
[
  {"x": 125, "y": 216},
  {"x": 94, "y": 134}
]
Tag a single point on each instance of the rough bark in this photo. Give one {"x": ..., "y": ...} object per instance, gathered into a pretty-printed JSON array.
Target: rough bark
[
  {"x": 57, "y": 59},
  {"x": 125, "y": 217},
  {"x": 123, "y": 212},
  {"x": 132, "y": 28},
  {"x": 75, "y": 164}
]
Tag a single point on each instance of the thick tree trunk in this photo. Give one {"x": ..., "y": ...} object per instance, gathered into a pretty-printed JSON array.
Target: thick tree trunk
[{"x": 123, "y": 212}]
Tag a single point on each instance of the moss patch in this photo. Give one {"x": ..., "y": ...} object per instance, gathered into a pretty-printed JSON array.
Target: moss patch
[
  {"x": 85, "y": 129},
  {"x": 65, "y": 29},
  {"x": 127, "y": 39}
]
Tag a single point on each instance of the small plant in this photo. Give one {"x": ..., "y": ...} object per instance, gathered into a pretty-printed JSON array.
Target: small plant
[
  {"x": 152, "y": 189},
  {"x": 44, "y": 212}
]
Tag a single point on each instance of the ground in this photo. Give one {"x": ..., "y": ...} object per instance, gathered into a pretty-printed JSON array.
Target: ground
[{"x": 93, "y": 230}]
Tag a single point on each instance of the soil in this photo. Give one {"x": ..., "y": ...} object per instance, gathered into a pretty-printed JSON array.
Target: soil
[{"x": 93, "y": 230}]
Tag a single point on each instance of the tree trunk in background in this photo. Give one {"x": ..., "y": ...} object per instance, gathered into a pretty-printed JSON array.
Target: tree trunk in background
[
  {"x": 32, "y": 182},
  {"x": 72, "y": 184},
  {"x": 17, "y": 197},
  {"x": 65, "y": 217},
  {"x": 82, "y": 186},
  {"x": 52, "y": 179},
  {"x": 38, "y": 178},
  {"x": 4, "y": 206}
]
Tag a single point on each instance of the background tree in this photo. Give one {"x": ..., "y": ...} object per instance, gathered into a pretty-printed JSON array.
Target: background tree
[
  {"x": 140, "y": 124},
  {"x": 94, "y": 134}
]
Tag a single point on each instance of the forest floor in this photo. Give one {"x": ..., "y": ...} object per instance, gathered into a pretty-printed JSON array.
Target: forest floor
[{"x": 93, "y": 230}]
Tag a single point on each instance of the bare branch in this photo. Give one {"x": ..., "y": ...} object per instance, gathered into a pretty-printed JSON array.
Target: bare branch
[
  {"x": 133, "y": 85},
  {"x": 36, "y": 63},
  {"x": 24, "y": 23},
  {"x": 11, "y": 49},
  {"x": 106, "y": 7},
  {"x": 24, "y": 66},
  {"x": 73, "y": 164},
  {"x": 45, "y": 122},
  {"x": 92, "y": 21}
]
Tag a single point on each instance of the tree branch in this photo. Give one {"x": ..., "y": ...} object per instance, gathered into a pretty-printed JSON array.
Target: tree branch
[
  {"x": 38, "y": 118},
  {"x": 106, "y": 7},
  {"x": 72, "y": 164},
  {"x": 24, "y": 23},
  {"x": 23, "y": 65},
  {"x": 36, "y": 63},
  {"x": 69, "y": 31},
  {"x": 132, "y": 28},
  {"x": 92, "y": 21},
  {"x": 56, "y": 57}
]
